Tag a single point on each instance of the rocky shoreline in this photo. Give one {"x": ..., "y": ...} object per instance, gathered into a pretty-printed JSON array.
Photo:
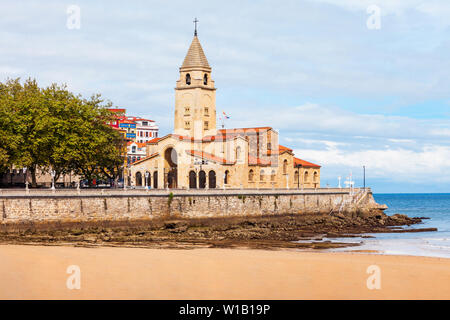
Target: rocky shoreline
[{"x": 263, "y": 232}]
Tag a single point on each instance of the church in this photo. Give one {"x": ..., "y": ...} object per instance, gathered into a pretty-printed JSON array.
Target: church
[{"x": 198, "y": 155}]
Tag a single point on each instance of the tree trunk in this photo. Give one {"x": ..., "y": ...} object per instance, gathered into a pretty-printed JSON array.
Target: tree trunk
[{"x": 33, "y": 176}]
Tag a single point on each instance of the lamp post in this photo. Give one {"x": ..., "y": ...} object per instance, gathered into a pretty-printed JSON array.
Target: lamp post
[
  {"x": 364, "y": 175},
  {"x": 53, "y": 174},
  {"x": 146, "y": 179}
]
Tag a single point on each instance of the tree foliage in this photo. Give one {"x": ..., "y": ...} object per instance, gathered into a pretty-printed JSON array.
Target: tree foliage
[{"x": 53, "y": 129}]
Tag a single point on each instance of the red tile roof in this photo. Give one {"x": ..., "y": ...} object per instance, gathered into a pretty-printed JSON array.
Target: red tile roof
[
  {"x": 283, "y": 148},
  {"x": 304, "y": 163},
  {"x": 146, "y": 158},
  {"x": 154, "y": 140}
]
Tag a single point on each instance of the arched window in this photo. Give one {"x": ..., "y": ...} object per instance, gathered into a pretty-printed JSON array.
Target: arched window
[
  {"x": 285, "y": 163},
  {"x": 315, "y": 176},
  {"x": 133, "y": 149},
  {"x": 188, "y": 79},
  {"x": 205, "y": 79},
  {"x": 250, "y": 175},
  {"x": 226, "y": 177},
  {"x": 272, "y": 175},
  {"x": 261, "y": 175},
  {"x": 238, "y": 153},
  {"x": 306, "y": 176},
  {"x": 296, "y": 178}
]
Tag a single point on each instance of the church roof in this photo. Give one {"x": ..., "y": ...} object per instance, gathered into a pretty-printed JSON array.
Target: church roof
[
  {"x": 304, "y": 163},
  {"x": 195, "y": 56}
]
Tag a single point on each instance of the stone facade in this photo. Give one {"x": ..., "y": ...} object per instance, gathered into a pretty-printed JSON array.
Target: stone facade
[
  {"x": 198, "y": 155},
  {"x": 138, "y": 205}
]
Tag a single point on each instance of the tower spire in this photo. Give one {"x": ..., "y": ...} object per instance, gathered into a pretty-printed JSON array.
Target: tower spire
[{"x": 195, "y": 23}]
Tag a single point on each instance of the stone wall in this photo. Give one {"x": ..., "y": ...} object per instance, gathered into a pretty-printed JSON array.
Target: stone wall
[{"x": 70, "y": 205}]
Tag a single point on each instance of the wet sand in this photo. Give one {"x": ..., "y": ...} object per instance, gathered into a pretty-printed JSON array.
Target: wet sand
[{"x": 39, "y": 272}]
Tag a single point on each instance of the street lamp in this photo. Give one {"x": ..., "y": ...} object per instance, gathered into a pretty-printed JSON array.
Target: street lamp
[
  {"x": 53, "y": 174},
  {"x": 146, "y": 179},
  {"x": 364, "y": 170}
]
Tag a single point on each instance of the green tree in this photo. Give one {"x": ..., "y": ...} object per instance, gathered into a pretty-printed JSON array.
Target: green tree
[{"x": 53, "y": 129}]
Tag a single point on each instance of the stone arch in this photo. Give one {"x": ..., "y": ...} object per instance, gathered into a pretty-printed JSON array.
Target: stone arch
[
  {"x": 170, "y": 167},
  {"x": 138, "y": 179},
  {"x": 192, "y": 179},
  {"x": 202, "y": 179},
  {"x": 212, "y": 179}
]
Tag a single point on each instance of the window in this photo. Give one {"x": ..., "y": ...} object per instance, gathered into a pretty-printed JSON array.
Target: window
[
  {"x": 206, "y": 125},
  {"x": 250, "y": 175},
  {"x": 144, "y": 123},
  {"x": 207, "y": 111},
  {"x": 238, "y": 153},
  {"x": 187, "y": 111},
  {"x": 315, "y": 176},
  {"x": 227, "y": 177},
  {"x": 146, "y": 134},
  {"x": 272, "y": 175},
  {"x": 188, "y": 79},
  {"x": 306, "y": 176},
  {"x": 187, "y": 125},
  {"x": 205, "y": 79},
  {"x": 269, "y": 146},
  {"x": 261, "y": 175},
  {"x": 133, "y": 149}
]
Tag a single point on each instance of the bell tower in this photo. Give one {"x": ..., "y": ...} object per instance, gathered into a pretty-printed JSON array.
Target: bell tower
[{"x": 195, "y": 94}]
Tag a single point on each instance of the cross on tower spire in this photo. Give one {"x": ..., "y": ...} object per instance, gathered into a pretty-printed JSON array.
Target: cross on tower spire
[{"x": 195, "y": 23}]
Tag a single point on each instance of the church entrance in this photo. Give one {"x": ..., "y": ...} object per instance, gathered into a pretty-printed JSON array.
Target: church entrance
[{"x": 170, "y": 168}]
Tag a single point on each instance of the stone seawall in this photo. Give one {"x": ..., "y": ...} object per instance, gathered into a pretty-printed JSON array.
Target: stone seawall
[{"x": 138, "y": 204}]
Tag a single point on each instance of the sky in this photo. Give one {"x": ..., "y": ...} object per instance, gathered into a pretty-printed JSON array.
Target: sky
[{"x": 347, "y": 83}]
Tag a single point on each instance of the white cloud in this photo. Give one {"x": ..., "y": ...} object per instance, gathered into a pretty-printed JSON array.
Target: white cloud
[{"x": 427, "y": 165}]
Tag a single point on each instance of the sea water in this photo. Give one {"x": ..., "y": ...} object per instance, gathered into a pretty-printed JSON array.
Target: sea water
[{"x": 433, "y": 244}]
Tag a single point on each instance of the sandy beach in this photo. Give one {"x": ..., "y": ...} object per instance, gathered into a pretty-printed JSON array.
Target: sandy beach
[{"x": 40, "y": 272}]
